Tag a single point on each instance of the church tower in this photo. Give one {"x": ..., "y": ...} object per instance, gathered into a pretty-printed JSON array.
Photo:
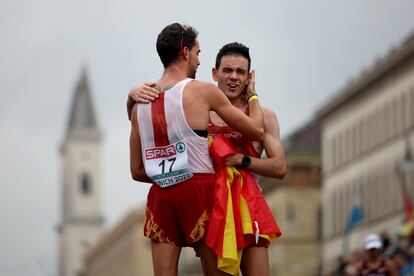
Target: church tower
[{"x": 81, "y": 175}]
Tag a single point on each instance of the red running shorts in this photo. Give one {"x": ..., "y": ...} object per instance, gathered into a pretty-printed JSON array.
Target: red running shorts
[{"x": 179, "y": 214}]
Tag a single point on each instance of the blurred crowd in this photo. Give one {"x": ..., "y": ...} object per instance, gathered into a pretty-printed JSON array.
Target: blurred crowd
[{"x": 381, "y": 254}]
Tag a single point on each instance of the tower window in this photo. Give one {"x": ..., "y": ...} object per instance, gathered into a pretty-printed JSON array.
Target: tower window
[{"x": 86, "y": 184}]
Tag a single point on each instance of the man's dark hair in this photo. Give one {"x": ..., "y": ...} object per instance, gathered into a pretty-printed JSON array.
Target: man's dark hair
[
  {"x": 172, "y": 40},
  {"x": 234, "y": 48}
]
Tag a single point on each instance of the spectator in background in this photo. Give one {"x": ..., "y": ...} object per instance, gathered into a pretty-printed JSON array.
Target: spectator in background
[
  {"x": 353, "y": 263},
  {"x": 375, "y": 264},
  {"x": 402, "y": 264}
]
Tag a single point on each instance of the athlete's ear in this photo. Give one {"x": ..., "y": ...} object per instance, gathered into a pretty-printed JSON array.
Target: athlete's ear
[
  {"x": 185, "y": 52},
  {"x": 214, "y": 73}
]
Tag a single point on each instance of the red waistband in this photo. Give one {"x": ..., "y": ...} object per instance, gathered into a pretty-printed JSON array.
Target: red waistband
[{"x": 201, "y": 176}]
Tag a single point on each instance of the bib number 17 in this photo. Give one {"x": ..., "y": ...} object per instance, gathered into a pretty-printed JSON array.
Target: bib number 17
[{"x": 170, "y": 162}]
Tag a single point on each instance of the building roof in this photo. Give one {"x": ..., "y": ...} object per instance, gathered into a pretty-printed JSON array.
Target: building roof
[
  {"x": 383, "y": 66},
  {"x": 82, "y": 118},
  {"x": 305, "y": 140}
]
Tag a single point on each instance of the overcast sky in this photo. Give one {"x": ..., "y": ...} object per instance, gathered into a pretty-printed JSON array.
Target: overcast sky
[{"x": 303, "y": 52}]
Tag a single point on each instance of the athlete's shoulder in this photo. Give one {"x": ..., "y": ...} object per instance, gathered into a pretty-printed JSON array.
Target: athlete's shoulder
[
  {"x": 202, "y": 85},
  {"x": 268, "y": 113},
  {"x": 267, "y": 110},
  {"x": 270, "y": 119}
]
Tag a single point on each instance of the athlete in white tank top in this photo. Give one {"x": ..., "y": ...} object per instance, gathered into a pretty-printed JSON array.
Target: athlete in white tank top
[{"x": 183, "y": 153}]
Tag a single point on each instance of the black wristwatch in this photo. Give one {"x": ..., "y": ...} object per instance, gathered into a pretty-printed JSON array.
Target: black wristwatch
[{"x": 245, "y": 162}]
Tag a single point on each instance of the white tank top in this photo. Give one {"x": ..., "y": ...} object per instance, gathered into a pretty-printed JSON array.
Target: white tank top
[{"x": 176, "y": 128}]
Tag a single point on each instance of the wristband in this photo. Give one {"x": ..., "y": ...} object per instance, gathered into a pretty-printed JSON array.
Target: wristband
[{"x": 252, "y": 97}]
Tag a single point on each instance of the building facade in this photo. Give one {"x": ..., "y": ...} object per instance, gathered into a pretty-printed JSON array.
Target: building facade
[
  {"x": 296, "y": 204},
  {"x": 81, "y": 189},
  {"x": 122, "y": 251},
  {"x": 366, "y": 129},
  {"x": 297, "y": 251}
]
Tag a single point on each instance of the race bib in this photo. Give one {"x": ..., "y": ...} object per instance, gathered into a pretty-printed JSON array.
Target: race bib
[{"x": 168, "y": 165}]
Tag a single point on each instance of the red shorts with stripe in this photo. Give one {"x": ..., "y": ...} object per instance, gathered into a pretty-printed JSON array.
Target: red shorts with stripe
[{"x": 179, "y": 214}]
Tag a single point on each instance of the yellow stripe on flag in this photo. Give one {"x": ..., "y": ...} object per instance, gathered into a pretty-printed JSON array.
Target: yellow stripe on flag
[{"x": 230, "y": 261}]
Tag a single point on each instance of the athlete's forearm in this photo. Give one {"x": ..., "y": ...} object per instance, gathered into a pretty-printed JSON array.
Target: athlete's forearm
[
  {"x": 140, "y": 176},
  {"x": 255, "y": 113},
  {"x": 136, "y": 165},
  {"x": 269, "y": 167},
  {"x": 234, "y": 117}
]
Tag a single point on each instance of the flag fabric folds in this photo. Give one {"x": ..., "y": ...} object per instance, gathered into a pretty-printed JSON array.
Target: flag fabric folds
[{"x": 240, "y": 213}]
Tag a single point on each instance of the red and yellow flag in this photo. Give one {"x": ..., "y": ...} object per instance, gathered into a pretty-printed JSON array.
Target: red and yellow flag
[{"x": 240, "y": 213}]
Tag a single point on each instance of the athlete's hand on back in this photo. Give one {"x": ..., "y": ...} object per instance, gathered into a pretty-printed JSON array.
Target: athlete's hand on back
[{"x": 144, "y": 93}]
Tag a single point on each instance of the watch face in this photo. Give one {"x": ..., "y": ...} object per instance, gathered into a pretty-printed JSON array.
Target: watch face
[{"x": 246, "y": 161}]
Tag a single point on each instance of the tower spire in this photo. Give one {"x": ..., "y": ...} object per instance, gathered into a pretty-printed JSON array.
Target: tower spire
[
  {"x": 82, "y": 119},
  {"x": 81, "y": 193}
]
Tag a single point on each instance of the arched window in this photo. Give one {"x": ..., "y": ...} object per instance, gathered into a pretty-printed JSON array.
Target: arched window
[{"x": 86, "y": 184}]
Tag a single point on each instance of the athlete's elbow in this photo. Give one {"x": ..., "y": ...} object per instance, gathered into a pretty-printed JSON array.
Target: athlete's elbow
[
  {"x": 138, "y": 174},
  {"x": 141, "y": 177},
  {"x": 280, "y": 171}
]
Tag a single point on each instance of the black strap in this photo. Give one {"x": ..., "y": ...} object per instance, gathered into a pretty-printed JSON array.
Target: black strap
[{"x": 202, "y": 133}]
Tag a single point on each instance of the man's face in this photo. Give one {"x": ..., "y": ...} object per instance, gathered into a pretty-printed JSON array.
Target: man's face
[
  {"x": 232, "y": 75},
  {"x": 193, "y": 60},
  {"x": 373, "y": 252}
]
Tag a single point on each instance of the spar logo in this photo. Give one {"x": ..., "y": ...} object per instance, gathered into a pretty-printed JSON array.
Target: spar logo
[{"x": 160, "y": 152}]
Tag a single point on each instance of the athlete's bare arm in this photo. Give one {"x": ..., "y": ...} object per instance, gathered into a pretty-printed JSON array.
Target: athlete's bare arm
[
  {"x": 143, "y": 93},
  {"x": 274, "y": 165},
  {"x": 136, "y": 163},
  {"x": 213, "y": 99},
  {"x": 251, "y": 126}
]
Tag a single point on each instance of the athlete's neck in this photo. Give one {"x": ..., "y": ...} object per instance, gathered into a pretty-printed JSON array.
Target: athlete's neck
[{"x": 172, "y": 75}]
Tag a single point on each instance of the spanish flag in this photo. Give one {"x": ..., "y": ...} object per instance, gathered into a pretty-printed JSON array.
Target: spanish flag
[{"x": 240, "y": 214}]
